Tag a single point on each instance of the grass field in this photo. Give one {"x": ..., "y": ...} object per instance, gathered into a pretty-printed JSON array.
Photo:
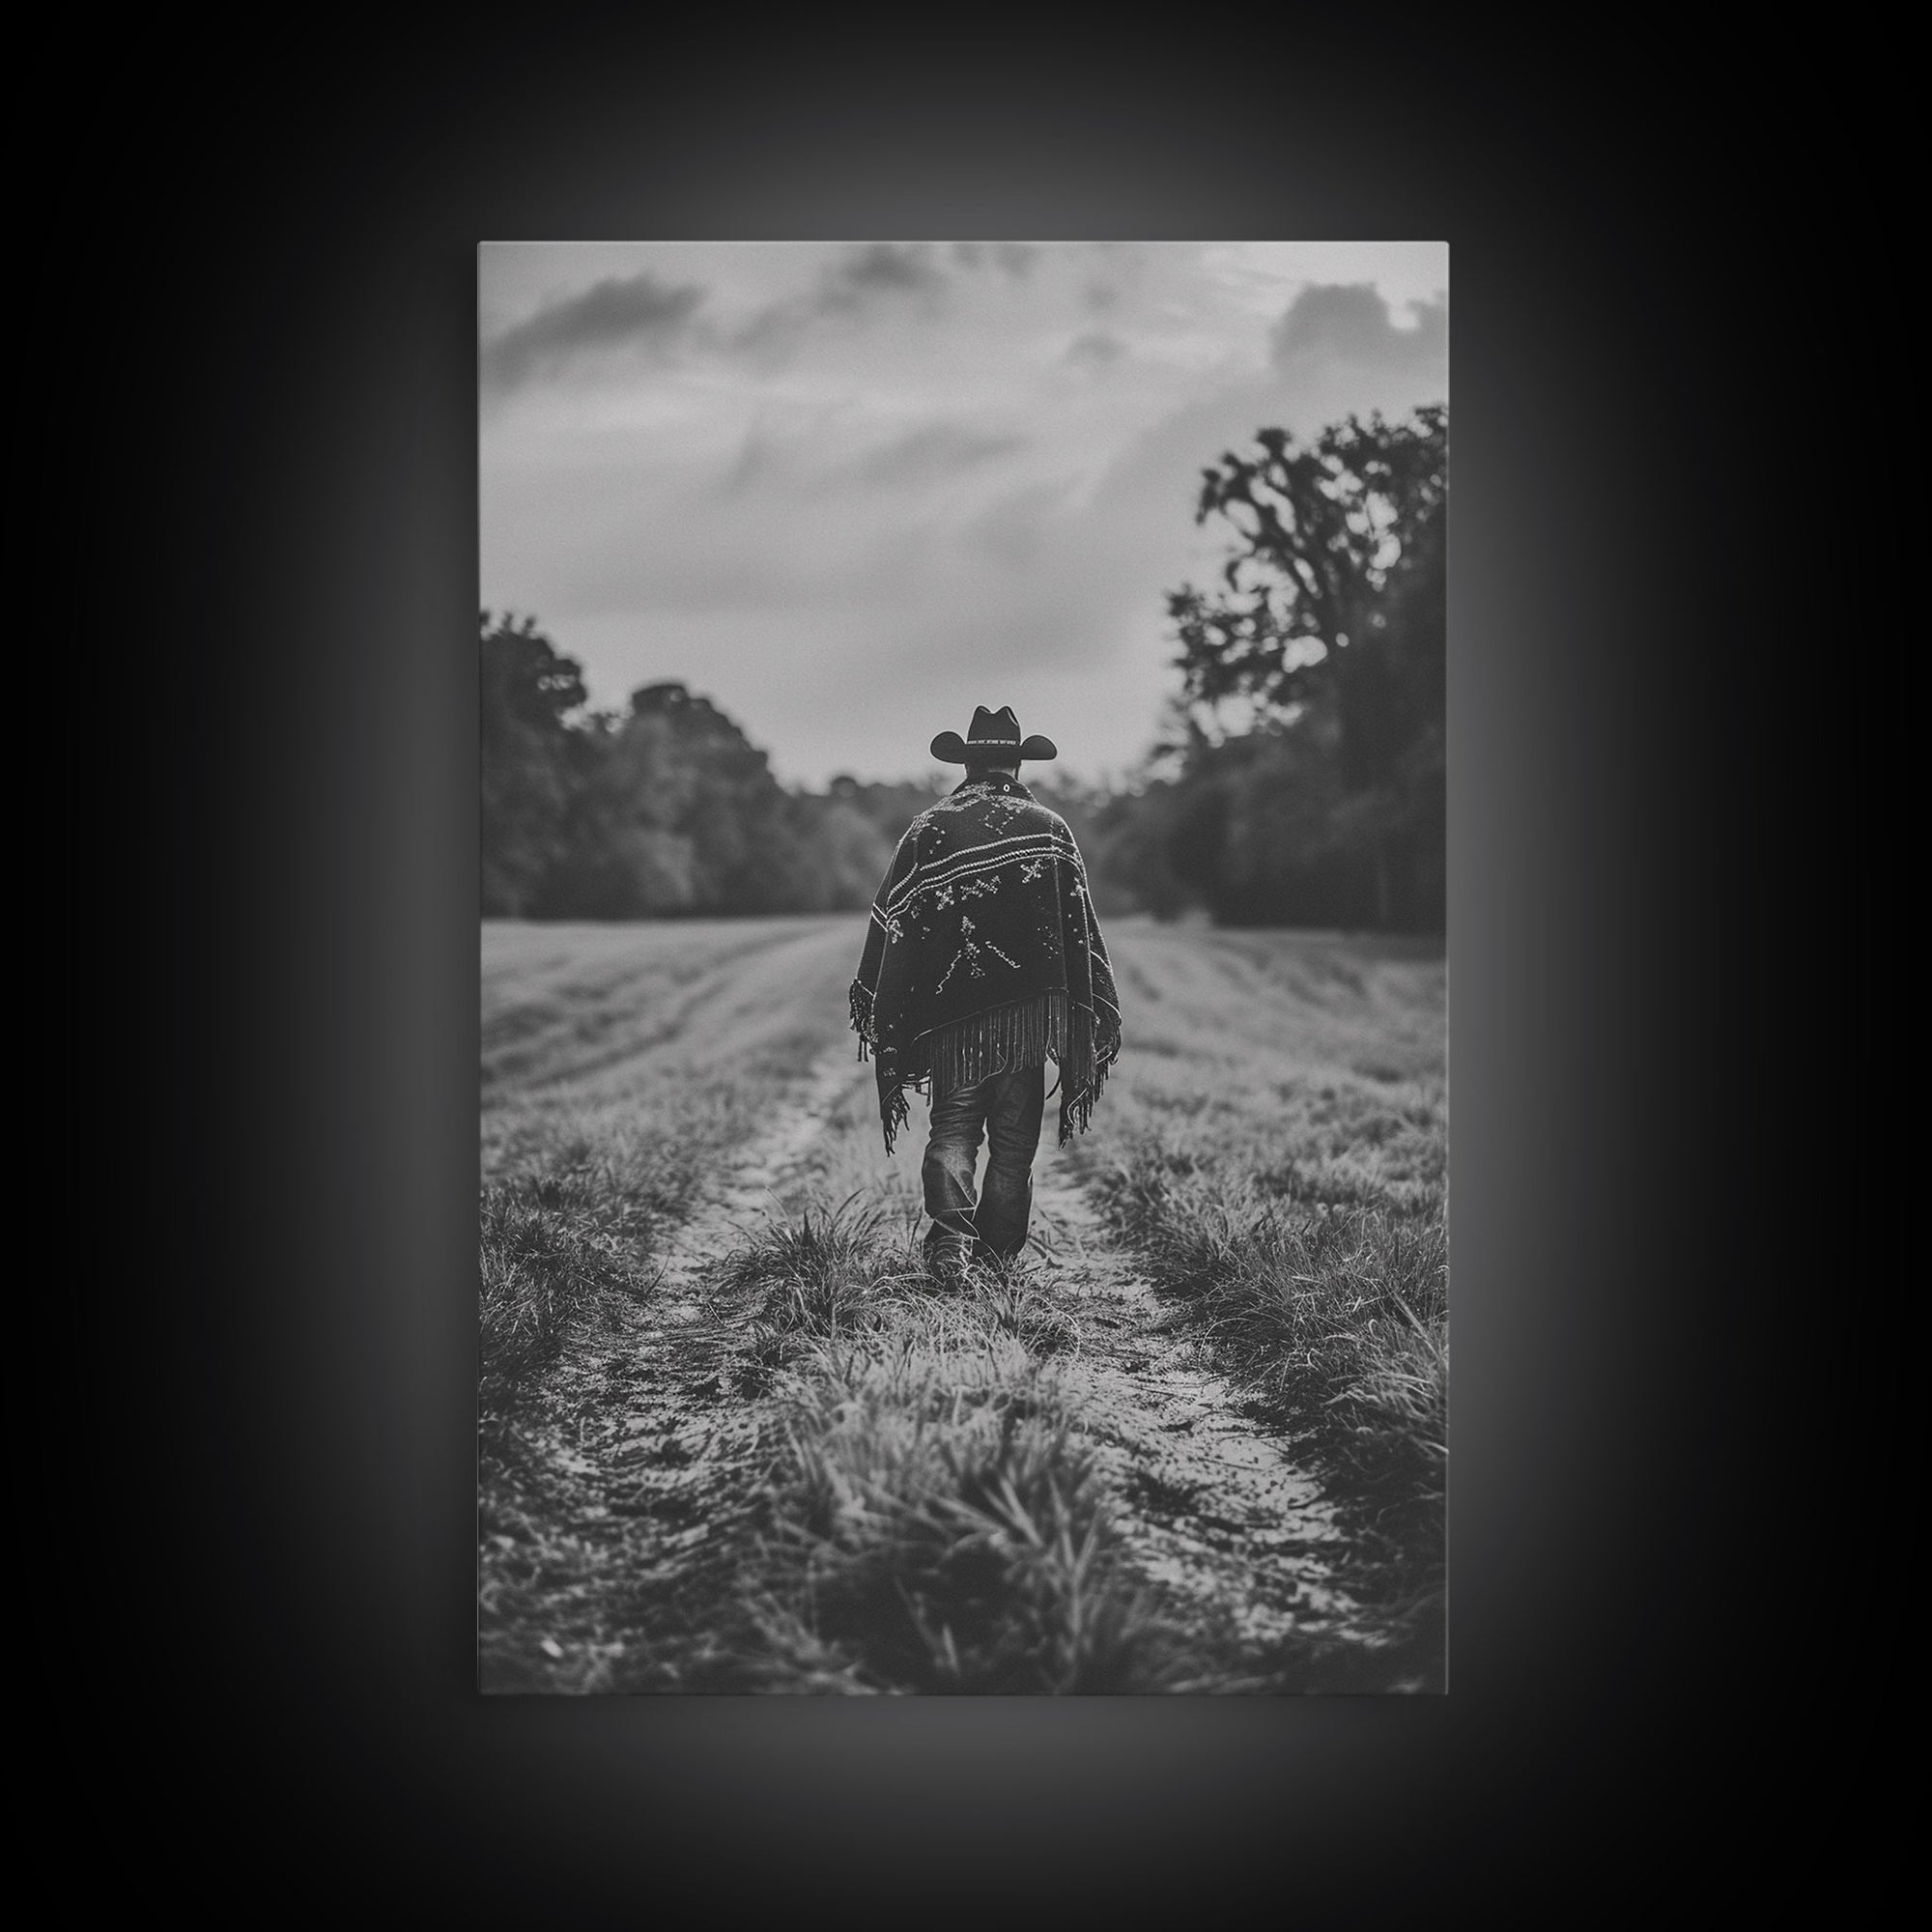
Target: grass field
[{"x": 733, "y": 1437}]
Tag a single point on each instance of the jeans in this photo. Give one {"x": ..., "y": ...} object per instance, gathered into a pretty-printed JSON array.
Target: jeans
[{"x": 1006, "y": 1108}]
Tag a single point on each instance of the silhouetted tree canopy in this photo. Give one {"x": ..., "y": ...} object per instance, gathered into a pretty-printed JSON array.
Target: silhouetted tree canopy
[
  {"x": 1330, "y": 624},
  {"x": 676, "y": 811},
  {"x": 660, "y": 811},
  {"x": 527, "y": 693}
]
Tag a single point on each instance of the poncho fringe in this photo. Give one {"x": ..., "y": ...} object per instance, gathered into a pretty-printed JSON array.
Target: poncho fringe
[{"x": 1027, "y": 1033}]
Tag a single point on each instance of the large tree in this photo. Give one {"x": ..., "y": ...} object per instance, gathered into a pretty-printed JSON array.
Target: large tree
[
  {"x": 676, "y": 811},
  {"x": 528, "y": 692},
  {"x": 1332, "y": 599}
]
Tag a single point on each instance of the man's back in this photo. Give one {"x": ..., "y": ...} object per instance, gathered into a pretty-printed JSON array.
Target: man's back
[{"x": 983, "y": 954}]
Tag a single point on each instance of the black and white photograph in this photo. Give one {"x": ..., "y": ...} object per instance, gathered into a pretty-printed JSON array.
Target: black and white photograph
[
  {"x": 964, "y": 1134},
  {"x": 788, "y": 808}
]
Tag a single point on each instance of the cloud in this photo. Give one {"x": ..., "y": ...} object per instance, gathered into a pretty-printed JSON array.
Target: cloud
[
  {"x": 1351, "y": 321},
  {"x": 754, "y": 463},
  {"x": 874, "y": 275},
  {"x": 638, "y": 309},
  {"x": 880, "y": 267},
  {"x": 1017, "y": 529},
  {"x": 855, "y": 285},
  {"x": 1016, "y": 258},
  {"x": 798, "y": 465},
  {"x": 1096, "y": 349},
  {"x": 932, "y": 453},
  {"x": 643, "y": 311}
]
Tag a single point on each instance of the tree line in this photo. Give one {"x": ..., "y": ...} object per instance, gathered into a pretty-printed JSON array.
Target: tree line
[{"x": 1301, "y": 781}]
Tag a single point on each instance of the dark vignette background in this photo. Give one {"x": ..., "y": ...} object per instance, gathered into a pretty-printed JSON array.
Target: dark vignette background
[{"x": 263, "y": 484}]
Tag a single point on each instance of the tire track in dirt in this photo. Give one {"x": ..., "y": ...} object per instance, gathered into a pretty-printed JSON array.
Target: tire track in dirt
[
  {"x": 609, "y": 1031},
  {"x": 1210, "y": 1508},
  {"x": 653, "y": 1457}
]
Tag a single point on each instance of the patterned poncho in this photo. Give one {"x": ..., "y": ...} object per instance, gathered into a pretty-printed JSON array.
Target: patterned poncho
[{"x": 983, "y": 954}]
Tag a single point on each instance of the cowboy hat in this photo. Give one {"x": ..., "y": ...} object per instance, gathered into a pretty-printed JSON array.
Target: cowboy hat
[{"x": 994, "y": 739}]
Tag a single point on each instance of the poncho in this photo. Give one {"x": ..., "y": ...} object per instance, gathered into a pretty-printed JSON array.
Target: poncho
[{"x": 982, "y": 955}]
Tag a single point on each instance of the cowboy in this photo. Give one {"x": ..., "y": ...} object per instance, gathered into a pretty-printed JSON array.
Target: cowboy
[{"x": 982, "y": 959}]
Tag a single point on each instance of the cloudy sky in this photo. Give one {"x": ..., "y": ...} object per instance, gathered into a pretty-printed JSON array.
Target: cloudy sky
[{"x": 850, "y": 491}]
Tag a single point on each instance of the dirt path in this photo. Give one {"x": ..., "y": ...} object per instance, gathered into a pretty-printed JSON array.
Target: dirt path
[
  {"x": 651, "y": 1460},
  {"x": 1210, "y": 1507},
  {"x": 650, "y": 1457}
]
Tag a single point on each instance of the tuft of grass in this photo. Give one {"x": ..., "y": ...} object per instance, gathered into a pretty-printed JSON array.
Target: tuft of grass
[
  {"x": 819, "y": 1271},
  {"x": 830, "y": 1273},
  {"x": 942, "y": 1530},
  {"x": 851, "y": 1269},
  {"x": 1345, "y": 1311},
  {"x": 1014, "y": 1306},
  {"x": 575, "y": 1217},
  {"x": 535, "y": 1266}
]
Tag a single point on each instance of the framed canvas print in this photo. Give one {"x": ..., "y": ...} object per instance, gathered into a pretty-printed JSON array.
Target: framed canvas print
[{"x": 964, "y": 1157}]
